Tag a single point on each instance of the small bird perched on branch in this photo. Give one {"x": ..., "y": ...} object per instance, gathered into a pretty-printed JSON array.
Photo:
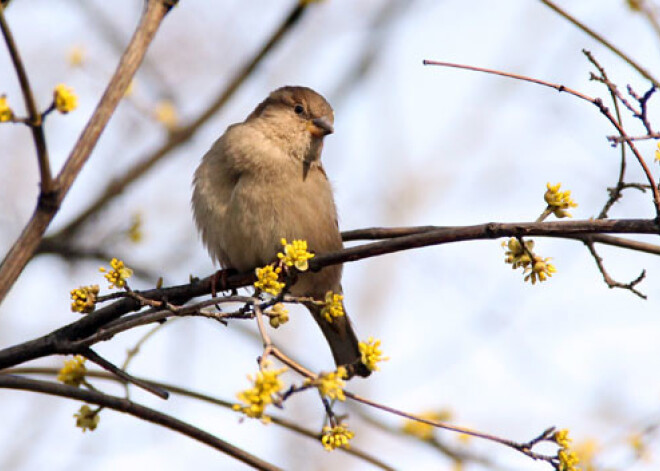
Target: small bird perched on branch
[{"x": 263, "y": 181}]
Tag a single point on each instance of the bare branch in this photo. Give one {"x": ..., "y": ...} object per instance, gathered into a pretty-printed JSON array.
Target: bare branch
[{"x": 23, "y": 249}]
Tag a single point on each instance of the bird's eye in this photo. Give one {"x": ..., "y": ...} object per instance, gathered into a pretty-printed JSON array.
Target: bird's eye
[{"x": 298, "y": 109}]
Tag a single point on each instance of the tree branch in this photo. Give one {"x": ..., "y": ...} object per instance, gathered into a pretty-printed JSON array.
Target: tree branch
[
  {"x": 23, "y": 249},
  {"x": 132, "y": 408}
]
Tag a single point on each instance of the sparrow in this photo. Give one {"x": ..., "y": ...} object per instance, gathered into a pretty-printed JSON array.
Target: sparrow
[{"x": 263, "y": 181}]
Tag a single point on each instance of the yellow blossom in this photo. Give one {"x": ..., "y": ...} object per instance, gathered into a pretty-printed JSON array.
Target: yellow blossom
[
  {"x": 265, "y": 385},
  {"x": 165, "y": 113},
  {"x": 73, "y": 372},
  {"x": 76, "y": 56},
  {"x": 425, "y": 431},
  {"x": 562, "y": 439},
  {"x": 516, "y": 254},
  {"x": 65, "y": 99},
  {"x": 559, "y": 201},
  {"x": 371, "y": 353},
  {"x": 333, "y": 306},
  {"x": 295, "y": 254},
  {"x": 567, "y": 460},
  {"x": 83, "y": 299},
  {"x": 267, "y": 280},
  {"x": 278, "y": 315},
  {"x": 135, "y": 231},
  {"x": 336, "y": 437},
  {"x": 118, "y": 275},
  {"x": 6, "y": 113},
  {"x": 657, "y": 151},
  {"x": 87, "y": 419},
  {"x": 540, "y": 270},
  {"x": 637, "y": 443},
  {"x": 331, "y": 385}
]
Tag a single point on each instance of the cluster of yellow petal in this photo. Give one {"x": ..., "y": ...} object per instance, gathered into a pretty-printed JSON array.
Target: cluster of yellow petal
[
  {"x": 331, "y": 385},
  {"x": 87, "y": 419},
  {"x": 83, "y": 299},
  {"x": 73, "y": 372},
  {"x": 568, "y": 459},
  {"x": 517, "y": 254},
  {"x": 540, "y": 270},
  {"x": 425, "y": 431},
  {"x": 266, "y": 384},
  {"x": 6, "y": 113},
  {"x": 65, "y": 99},
  {"x": 295, "y": 254},
  {"x": 371, "y": 353},
  {"x": 559, "y": 201},
  {"x": 267, "y": 280},
  {"x": 278, "y": 315},
  {"x": 336, "y": 437},
  {"x": 118, "y": 275},
  {"x": 333, "y": 306},
  {"x": 657, "y": 151},
  {"x": 535, "y": 267}
]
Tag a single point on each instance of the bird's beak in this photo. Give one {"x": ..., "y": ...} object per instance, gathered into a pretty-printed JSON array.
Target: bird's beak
[{"x": 320, "y": 127}]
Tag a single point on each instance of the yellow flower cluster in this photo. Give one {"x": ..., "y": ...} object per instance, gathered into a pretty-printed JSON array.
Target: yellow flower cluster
[
  {"x": 267, "y": 280},
  {"x": 425, "y": 431},
  {"x": 331, "y": 385},
  {"x": 336, "y": 437},
  {"x": 278, "y": 315},
  {"x": 73, "y": 372},
  {"x": 83, "y": 299},
  {"x": 6, "y": 113},
  {"x": 540, "y": 270},
  {"x": 165, "y": 113},
  {"x": 568, "y": 459},
  {"x": 295, "y": 254},
  {"x": 266, "y": 384},
  {"x": 535, "y": 267},
  {"x": 118, "y": 275},
  {"x": 333, "y": 306},
  {"x": 657, "y": 151},
  {"x": 65, "y": 99},
  {"x": 559, "y": 201},
  {"x": 517, "y": 254},
  {"x": 371, "y": 353},
  {"x": 87, "y": 419}
]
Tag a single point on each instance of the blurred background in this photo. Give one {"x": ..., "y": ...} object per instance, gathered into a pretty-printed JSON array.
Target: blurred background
[{"x": 414, "y": 145}]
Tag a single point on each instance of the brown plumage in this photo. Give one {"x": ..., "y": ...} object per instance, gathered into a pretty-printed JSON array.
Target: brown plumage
[{"x": 262, "y": 181}]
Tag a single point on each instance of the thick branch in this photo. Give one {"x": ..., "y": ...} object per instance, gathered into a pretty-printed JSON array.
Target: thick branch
[{"x": 63, "y": 340}]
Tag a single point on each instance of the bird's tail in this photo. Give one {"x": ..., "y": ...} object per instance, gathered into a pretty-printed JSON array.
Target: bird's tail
[{"x": 342, "y": 340}]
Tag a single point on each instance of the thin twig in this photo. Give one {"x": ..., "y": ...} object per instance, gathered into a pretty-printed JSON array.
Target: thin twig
[
  {"x": 525, "y": 448},
  {"x": 595, "y": 101},
  {"x": 174, "y": 389},
  {"x": 601, "y": 40},
  {"x": 132, "y": 408},
  {"x": 106, "y": 365},
  {"x": 34, "y": 120},
  {"x": 609, "y": 280}
]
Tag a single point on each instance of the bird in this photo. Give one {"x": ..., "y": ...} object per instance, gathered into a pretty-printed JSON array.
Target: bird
[{"x": 263, "y": 181}]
